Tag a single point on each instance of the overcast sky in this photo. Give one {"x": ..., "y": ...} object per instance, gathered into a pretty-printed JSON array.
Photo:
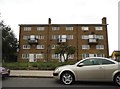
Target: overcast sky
[{"x": 15, "y": 12}]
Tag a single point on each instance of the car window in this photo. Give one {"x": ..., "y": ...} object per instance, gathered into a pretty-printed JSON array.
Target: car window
[
  {"x": 87, "y": 62},
  {"x": 90, "y": 62},
  {"x": 104, "y": 61}
]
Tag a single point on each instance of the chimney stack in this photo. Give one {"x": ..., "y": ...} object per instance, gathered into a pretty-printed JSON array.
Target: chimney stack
[
  {"x": 104, "y": 20},
  {"x": 49, "y": 20}
]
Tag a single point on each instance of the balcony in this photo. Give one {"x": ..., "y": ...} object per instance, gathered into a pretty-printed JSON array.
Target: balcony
[
  {"x": 33, "y": 41},
  {"x": 92, "y": 41},
  {"x": 61, "y": 40}
]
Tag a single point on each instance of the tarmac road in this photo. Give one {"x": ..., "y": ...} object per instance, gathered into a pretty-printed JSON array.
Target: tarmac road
[{"x": 50, "y": 82}]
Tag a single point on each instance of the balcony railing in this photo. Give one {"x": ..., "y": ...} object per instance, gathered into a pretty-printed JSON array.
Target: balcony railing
[
  {"x": 33, "y": 41},
  {"x": 93, "y": 41},
  {"x": 61, "y": 40}
]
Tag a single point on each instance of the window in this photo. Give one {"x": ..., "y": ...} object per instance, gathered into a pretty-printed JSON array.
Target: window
[
  {"x": 55, "y": 36},
  {"x": 71, "y": 56},
  {"x": 98, "y": 28},
  {"x": 100, "y": 55},
  {"x": 85, "y": 36},
  {"x": 25, "y": 56},
  {"x": 69, "y": 36},
  {"x": 40, "y": 28},
  {"x": 55, "y": 56},
  {"x": 27, "y": 28},
  {"x": 92, "y": 55},
  {"x": 99, "y": 36},
  {"x": 69, "y": 28},
  {"x": 85, "y": 47},
  {"x": 55, "y": 28},
  {"x": 99, "y": 46},
  {"x": 53, "y": 46},
  {"x": 104, "y": 61},
  {"x": 39, "y": 56},
  {"x": 40, "y": 47},
  {"x": 62, "y": 38},
  {"x": 40, "y": 37},
  {"x": 92, "y": 36},
  {"x": 87, "y": 62},
  {"x": 25, "y": 37},
  {"x": 84, "y": 28},
  {"x": 26, "y": 46},
  {"x": 85, "y": 55}
]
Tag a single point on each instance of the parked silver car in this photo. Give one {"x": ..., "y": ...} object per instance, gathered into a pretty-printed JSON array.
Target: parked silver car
[
  {"x": 89, "y": 69},
  {"x": 4, "y": 72}
]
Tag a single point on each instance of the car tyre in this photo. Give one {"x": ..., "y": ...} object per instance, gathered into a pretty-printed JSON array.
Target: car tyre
[
  {"x": 117, "y": 79},
  {"x": 67, "y": 78}
]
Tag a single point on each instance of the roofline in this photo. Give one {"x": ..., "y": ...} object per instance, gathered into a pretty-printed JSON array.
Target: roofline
[{"x": 60, "y": 24}]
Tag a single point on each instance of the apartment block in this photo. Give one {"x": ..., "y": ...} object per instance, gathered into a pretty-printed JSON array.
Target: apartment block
[{"x": 37, "y": 42}]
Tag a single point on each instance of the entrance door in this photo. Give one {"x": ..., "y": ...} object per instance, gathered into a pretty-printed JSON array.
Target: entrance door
[{"x": 31, "y": 57}]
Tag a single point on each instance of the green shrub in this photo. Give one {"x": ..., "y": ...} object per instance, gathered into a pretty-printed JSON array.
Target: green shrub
[{"x": 50, "y": 65}]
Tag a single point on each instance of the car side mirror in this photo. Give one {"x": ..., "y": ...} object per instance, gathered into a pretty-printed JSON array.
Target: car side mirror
[{"x": 80, "y": 65}]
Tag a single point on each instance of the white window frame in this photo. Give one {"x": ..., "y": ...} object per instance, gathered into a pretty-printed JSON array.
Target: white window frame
[
  {"x": 40, "y": 36},
  {"x": 26, "y": 46},
  {"x": 27, "y": 28},
  {"x": 40, "y": 47},
  {"x": 85, "y": 55},
  {"x": 55, "y": 56},
  {"x": 92, "y": 55},
  {"x": 100, "y": 55},
  {"x": 99, "y": 28},
  {"x": 25, "y": 37},
  {"x": 100, "y": 37},
  {"x": 85, "y": 28},
  {"x": 39, "y": 56},
  {"x": 69, "y": 28},
  {"x": 92, "y": 36},
  {"x": 70, "y": 37},
  {"x": 85, "y": 46},
  {"x": 85, "y": 37},
  {"x": 25, "y": 56},
  {"x": 62, "y": 38},
  {"x": 55, "y": 28},
  {"x": 71, "y": 56},
  {"x": 100, "y": 47},
  {"x": 55, "y": 36},
  {"x": 40, "y": 28}
]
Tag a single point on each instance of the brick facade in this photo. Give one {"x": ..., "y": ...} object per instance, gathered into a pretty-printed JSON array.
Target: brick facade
[{"x": 38, "y": 41}]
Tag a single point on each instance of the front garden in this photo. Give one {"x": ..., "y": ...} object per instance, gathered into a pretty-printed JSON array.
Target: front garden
[{"x": 50, "y": 65}]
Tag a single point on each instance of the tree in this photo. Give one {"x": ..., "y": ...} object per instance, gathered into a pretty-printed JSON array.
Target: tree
[
  {"x": 64, "y": 49},
  {"x": 9, "y": 43}
]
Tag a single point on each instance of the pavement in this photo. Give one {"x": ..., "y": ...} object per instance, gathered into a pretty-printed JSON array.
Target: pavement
[{"x": 31, "y": 73}]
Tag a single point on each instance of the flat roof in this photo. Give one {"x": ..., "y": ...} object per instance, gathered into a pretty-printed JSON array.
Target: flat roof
[{"x": 62, "y": 24}]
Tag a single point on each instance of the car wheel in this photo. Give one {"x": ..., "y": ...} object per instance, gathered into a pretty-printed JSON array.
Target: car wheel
[
  {"x": 67, "y": 78},
  {"x": 117, "y": 79}
]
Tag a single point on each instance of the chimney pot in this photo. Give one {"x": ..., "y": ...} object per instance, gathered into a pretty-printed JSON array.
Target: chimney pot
[
  {"x": 104, "y": 20},
  {"x": 49, "y": 20}
]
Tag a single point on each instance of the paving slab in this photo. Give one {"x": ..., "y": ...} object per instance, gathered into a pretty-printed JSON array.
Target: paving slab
[{"x": 31, "y": 73}]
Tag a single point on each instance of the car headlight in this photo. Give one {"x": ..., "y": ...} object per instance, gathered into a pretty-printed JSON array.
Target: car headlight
[{"x": 57, "y": 70}]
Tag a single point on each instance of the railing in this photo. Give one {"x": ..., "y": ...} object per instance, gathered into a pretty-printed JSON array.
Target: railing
[{"x": 33, "y": 41}]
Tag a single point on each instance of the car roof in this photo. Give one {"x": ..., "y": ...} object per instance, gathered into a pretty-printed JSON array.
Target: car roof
[{"x": 98, "y": 58}]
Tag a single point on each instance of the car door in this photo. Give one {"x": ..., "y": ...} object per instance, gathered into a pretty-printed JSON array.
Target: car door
[
  {"x": 90, "y": 71},
  {"x": 109, "y": 68}
]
